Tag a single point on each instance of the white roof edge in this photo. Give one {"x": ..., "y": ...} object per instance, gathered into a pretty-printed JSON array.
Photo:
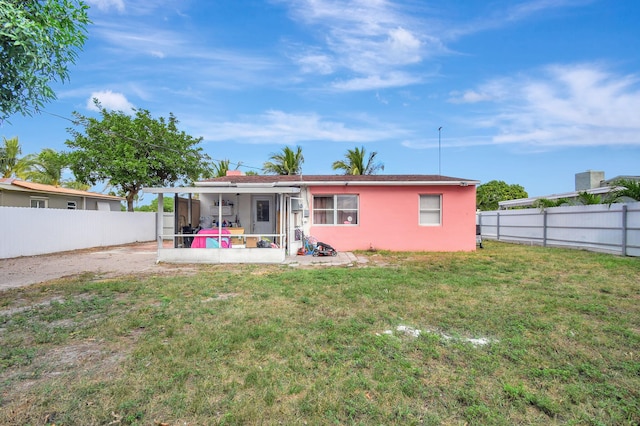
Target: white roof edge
[
  {"x": 222, "y": 190},
  {"x": 385, "y": 183},
  {"x": 291, "y": 187},
  {"x": 205, "y": 183},
  {"x": 531, "y": 200}
]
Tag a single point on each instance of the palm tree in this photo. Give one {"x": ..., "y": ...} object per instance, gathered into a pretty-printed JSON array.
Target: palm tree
[
  {"x": 11, "y": 165},
  {"x": 74, "y": 184},
  {"x": 47, "y": 167},
  {"x": 629, "y": 188},
  {"x": 221, "y": 168},
  {"x": 354, "y": 163},
  {"x": 544, "y": 203},
  {"x": 286, "y": 163},
  {"x": 586, "y": 199}
]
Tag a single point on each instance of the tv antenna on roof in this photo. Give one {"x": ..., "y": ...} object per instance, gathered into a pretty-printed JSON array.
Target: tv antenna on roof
[{"x": 439, "y": 153}]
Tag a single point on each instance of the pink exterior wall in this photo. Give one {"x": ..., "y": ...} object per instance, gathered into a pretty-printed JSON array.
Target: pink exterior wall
[{"x": 389, "y": 218}]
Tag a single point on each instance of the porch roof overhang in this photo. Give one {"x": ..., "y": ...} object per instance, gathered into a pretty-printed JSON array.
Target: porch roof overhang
[{"x": 240, "y": 189}]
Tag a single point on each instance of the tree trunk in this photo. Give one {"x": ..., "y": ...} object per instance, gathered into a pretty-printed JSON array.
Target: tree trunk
[{"x": 130, "y": 197}]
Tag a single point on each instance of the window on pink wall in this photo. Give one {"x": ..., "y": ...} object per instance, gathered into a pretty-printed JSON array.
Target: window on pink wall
[
  {"x": 335, "y": 209},
  {"x": 430, "y": 210}
]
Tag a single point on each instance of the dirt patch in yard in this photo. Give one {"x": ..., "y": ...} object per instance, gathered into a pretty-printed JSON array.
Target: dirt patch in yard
[
  {"x": 130, "y": 259},
  {"x": 105, "y": 262}
]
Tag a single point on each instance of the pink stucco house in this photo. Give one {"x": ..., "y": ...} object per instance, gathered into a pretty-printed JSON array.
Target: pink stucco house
[{"x": 385, "y": 212}]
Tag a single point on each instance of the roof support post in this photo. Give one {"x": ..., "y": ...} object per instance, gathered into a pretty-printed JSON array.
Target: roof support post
[
  {"x": 176, "y": 221},
  {"x": 160, "y": 220}
]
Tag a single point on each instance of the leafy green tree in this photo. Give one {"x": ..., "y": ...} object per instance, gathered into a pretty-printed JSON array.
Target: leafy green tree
[
  {"x": 167, "y": 206},
  {"x": 356, "y": 162},
  {"x": 38, "y": 39},
  {"x": 288, "y": 162},
  {"x": 11, "y": 163},
  {"x": 132, "y": 152},
  {"x": 629, "y": 188},
  {"x": 489, "y": 194}
]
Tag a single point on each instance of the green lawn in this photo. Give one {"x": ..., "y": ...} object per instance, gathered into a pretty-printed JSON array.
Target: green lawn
[{"x": 560, "y": 344}]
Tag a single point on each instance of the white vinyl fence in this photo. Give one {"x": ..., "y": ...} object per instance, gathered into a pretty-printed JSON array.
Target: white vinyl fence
[
  {"x": 602, "y": 228},
  {"x": 168, "y": 226},
  {"x": 28, "y": 232}
]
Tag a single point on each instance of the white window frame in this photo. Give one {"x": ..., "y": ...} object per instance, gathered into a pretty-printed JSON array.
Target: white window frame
[
  {"x": 38, "y": 200},
  {"x": 429, "y": 209},
  {"x": 335, "y": 209}
]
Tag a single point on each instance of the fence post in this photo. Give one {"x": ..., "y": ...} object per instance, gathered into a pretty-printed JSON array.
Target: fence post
[
  {"x": 498, "y": 226},
  {"x": 624, "y": 230},
  {"x": 544, "y": 228}
]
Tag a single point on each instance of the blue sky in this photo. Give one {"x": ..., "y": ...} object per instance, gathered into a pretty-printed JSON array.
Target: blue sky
[{"x": 528, "y": 92}]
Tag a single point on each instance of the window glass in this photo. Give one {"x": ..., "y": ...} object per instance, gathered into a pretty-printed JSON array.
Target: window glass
[
  {"x": 430, "y": 210},
  {"x": 347, "y": 202},
  {"x": 39, "y": 203},
  {"x": 335, "y": 210},
  {"x": 262, "y": 211},
  {"x": 323, "y": 202},
  {"x": 323, "y": 217}
]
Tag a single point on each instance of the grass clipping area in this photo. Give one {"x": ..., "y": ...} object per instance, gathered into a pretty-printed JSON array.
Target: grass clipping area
[{"x": 506, "y": 335}]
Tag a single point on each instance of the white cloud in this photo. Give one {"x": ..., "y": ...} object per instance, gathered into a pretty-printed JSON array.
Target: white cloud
[
  {"x": 184, "y": 56},
  {"x": 372, "y": 82},
  {"x": 110, "y": 100},
  {"x": 494, "y": 90},
  {"x": 404, "y": 45},
  {"x": 469, "y": 96},
  {"x": 105, "y": 5},
  {"x": 567, "y": 105},
  {"x": 280, "y": 127},
  {"x": 371, "y": 39},
  {"x": 149, "y": 41},
  {"x": 316, "y": 63},
  {"x": 503, "y": 16},
  {"x": 381, "y": 99}
]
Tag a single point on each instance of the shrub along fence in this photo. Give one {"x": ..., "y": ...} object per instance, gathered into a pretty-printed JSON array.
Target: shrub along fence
[
  {"x": 28, "y": 232},
  {"x": 604, "y": 228}
]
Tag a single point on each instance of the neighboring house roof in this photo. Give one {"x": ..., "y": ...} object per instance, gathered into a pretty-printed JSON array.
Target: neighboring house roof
[
  {"x": 12, "y": 184},
  {"x": 310, "y": 180},
  {"x": 608, "y": 182},
  {"x": 524, "y": 202}
]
